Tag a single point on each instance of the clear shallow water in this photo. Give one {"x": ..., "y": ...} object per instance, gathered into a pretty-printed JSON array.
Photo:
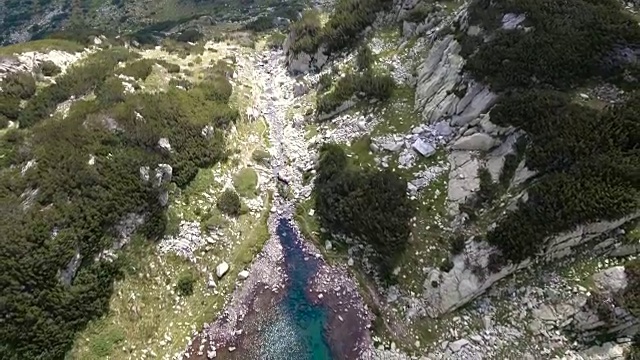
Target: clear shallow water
[{"x": 297, "y": 332}]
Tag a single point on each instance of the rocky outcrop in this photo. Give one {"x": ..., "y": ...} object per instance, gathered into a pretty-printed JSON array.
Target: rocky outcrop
[
  {"x": 66, "y": 275},
  {"x": 161, "y": 179},
  {"x": 301, "y": 62},
  {"x": 470, "y": 276},
  {"x": 31, "y": 60},
  {"x": 603, "y": 314},
  {"x": 443, "y": 92}
]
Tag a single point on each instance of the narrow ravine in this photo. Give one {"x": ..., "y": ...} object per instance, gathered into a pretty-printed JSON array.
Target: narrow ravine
[{"x": 294, "y": 305}]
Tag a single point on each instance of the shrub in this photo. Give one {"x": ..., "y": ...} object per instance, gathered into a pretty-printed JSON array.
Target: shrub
[
  {"x": 229, "y": 203},
  {"x": 19, "y": 84},
  {"x": 261, "y": 156},
  {"x": 631, "y": 294},
  {"x": 348, "y": 20},
  {"x": 84, "y": 201},
  {"x": 495, "y": 262},
  {"x": 139, "y": 70},
  {"x": 215, "y": 88},
  {"x": 345, "y": 24},
  {"x": 171, "y": 67},
  {"x": 457, "y": 244},
  {"x": 305, "y": 33},
  {"x": 419, "y": 13},
  {"x": 488, "y": 189},
  {"x": 4, "y": 121},
  {"x": 364, "y": 58},
  {"x": 324, "y": 82},
  {"x": 367, "y": 85},
  {"x": 509, "y": 167},
  {"x": 111, "y": 91},
  {"x": 190, "y": 35},
  {"x": 261, "y": 23},
  {"x": 9, "y": 106},
  {"x": 246, "y": 182},
  {"x": 77, "y": 81},
  {"x": 214, "y": 220},
  {"x": 275, "y": 41},
  {"x": 585, "y": 159},
  {"x": 49, "y": 68},
  {"x": 184, "y": 286},
  {"x": 183, "y": 83},
  {"x": 446, "y": 265}
]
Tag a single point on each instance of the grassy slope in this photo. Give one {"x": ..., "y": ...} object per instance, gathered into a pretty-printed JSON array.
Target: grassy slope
[{"x": 146, "y": 314}]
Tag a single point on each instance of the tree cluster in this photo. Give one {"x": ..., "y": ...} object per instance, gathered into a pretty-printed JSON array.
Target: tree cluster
[
  {"x": 14, "y": 87},
  {"x": 49, "y": 68},
  {"x": 229, "y": 203},
  {"x": 77, "y": 81},
  {"x": 574, "y": 41},
  {"x": 586, "y": 160},
  {"x": 372, "y": 206},
  {"x": 86, "y": 178}
]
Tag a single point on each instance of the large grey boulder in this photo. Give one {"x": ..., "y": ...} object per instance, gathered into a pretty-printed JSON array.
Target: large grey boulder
[
  {"x": 302, "y": 62},
  {"x": 477, "y": 141}
]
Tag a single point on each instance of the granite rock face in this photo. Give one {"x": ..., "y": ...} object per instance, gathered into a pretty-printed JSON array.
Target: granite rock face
[
  {"x": 443, "y": 92},
  {"x": 470, "y": 276}
]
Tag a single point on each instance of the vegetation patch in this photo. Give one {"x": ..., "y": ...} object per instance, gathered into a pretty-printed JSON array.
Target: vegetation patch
[
  {"x": 44, "y": 45},
  {"x": 86, "y": 177},
  {"x": 20, "y": 85},
  {"x": 246, "y": 182},
  {"x": 79, "y": 80},
  {"x": 366, "y": 85},
  {"x": 49, "y": 68},
  {"x": 576, "y": 40},
  {"x": 139, "y": 70},
  {"x": 347, "y": 21},
  {"x": 229, "y": 203}
]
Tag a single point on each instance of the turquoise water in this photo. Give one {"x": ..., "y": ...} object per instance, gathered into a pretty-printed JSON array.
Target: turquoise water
[{"x": 297, "y": 333}]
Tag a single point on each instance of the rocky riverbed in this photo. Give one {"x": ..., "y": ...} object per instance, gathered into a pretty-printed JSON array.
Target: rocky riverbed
[{"x": 256, "y": 318}]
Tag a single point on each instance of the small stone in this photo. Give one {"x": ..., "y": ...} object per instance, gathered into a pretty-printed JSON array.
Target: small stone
[
  {"x": 350, "y": 262},
  {"x": 458, "y": 345},
  {"x": 243, "y": 275},
  {"x": 328, "y": 245},
  {"x": 222, "y": 269}
]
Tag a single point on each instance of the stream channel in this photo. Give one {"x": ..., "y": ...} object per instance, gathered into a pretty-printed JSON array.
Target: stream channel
[{"x": 298, "y": 330}]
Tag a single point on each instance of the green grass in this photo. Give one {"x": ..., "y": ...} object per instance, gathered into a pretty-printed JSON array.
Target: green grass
[
  {"x": 429, "y": 242},
  {"x": 43, "y": 45},
  {"x": 633, "y": 235},
  {"x": 106, "y": 340},
  {"x": 311, "y": 130},
  {"x": 246, "y": 182},
  {"x": 145, "y": 309},
  {"x": 360, "y": 153},
  {"x": 399, "y": 115}
]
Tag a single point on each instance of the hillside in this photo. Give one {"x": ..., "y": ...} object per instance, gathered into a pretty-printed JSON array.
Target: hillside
[
  {"x": 22, "y": 20},
  {"x": 366, "y": 179}
]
